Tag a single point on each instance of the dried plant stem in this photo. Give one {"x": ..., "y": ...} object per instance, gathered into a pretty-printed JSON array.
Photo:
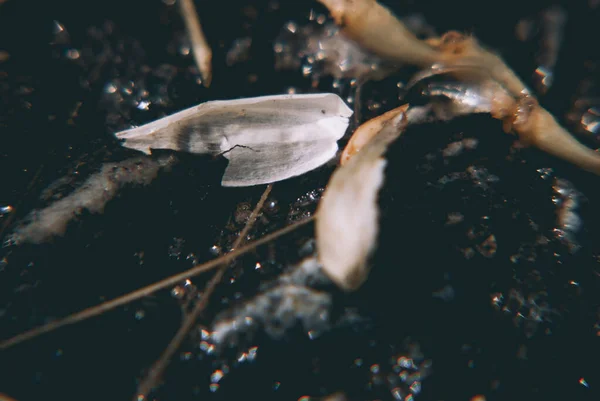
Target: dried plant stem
[
  {"x": 142, "y": 292},
  {"x": 156, "y": 371},
  {"x": 200, "y": 48},
  {"x": 358, "y": 101},
  {"x": 376, "y": 29}
]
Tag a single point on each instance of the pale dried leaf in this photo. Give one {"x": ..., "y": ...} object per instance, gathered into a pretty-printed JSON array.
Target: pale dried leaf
[
  {"x": 347, "y": 218},
  {"x": 266, "y": 139}
]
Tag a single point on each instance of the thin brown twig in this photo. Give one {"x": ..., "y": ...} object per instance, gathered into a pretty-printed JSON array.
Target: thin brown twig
[
  {"x": 358, "y": 101},
  {"x": 156, "y": 371},
  {"x": 200, "y": 48},
  {"x": 142, "y": 292}
]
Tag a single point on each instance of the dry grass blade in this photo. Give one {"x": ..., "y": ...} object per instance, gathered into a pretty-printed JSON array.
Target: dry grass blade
[
  {"x": 200, "y": 48},
  {"x": 156, "y": 371},
  {"x": 142, "y": 292}
]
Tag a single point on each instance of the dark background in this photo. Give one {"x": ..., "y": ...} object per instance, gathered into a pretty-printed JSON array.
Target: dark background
[{"x": 56, "y": 120}]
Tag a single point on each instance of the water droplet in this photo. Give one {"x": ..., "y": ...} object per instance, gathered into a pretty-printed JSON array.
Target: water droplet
[
  {"x": 405, "y": 362},
  {"x": 185, "y": 49},
  {"x": 415, "y": 387},
  {"x": 545, "y": 173},
  {"x": 58, "y": 27},
  {"x": 206, "y": 347},
  {"x": 590, "y": 120},
  {"x": 143, "y": 105},
  {"x": 110, "y": 88},
  {"x": 252, "y": 353},
  {"x": 178, "y": 292},
  {"x": 397, "y": 393},
  {"x": 216, "y": 376},
  {"x": 73, "y": 54},
  {"x": 374, "y": 106},
  {"x": 6, "y": 210},
  {"x": 291, "y": 26},
  {"x": 497, "y": 299}
]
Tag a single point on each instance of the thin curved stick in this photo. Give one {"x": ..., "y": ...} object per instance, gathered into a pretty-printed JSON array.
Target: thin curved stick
[
  {"x": 142, "y": 292},
  {"x": 200, "y": 48},
  {"x": 156, "y": 371}
]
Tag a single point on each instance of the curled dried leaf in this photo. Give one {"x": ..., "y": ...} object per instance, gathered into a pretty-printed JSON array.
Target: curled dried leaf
[
  {"x": 520, "y": 114},
  {"x": 375, "y": 28},
  {"x": 463, "y": 54},
  {"x": 265, "y": 139},
  {"x": 365, "y": 133},
  {"x": 347, "y": 217}
]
